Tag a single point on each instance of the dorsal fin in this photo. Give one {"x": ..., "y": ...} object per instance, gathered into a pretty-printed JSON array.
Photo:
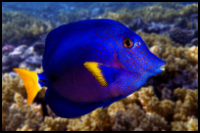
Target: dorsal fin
[{"x": 63, "y": 33}]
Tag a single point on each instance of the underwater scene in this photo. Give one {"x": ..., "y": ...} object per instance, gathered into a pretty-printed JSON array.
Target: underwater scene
[{"x": 100, "y": 66}]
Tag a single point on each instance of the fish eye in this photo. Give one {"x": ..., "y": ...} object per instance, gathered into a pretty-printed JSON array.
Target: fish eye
[{"x": 127, "y": 43}]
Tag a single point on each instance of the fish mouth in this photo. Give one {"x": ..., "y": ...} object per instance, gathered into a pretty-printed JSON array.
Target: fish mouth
[{"x": 163, "y": 67}]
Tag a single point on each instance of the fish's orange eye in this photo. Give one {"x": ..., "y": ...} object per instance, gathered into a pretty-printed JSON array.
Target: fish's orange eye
[{"x": 127, "y": 43}]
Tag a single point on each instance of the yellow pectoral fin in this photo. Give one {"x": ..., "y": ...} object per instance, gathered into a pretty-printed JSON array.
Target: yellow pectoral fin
[
  {"x": 96, "y": 72},
  {"x": 30, "y": 80}
]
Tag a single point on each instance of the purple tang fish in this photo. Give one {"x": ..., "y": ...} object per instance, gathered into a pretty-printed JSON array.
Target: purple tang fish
[{"x": 90, "y": 64}]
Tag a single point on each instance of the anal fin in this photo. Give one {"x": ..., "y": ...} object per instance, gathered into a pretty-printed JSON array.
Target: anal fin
[{"x": 66, "y": 108}]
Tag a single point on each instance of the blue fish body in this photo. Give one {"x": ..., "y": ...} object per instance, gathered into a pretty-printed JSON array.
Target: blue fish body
[{"x": 93, "y": 63}]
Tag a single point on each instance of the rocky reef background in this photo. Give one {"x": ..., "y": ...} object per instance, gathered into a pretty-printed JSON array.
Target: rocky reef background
[{"x": 167, "y": 101}]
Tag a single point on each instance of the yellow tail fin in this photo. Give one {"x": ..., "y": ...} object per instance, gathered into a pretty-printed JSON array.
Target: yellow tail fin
[{"x": 30, "y": 82}]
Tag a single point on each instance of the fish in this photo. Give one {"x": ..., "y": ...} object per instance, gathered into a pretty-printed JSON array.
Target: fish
[{"x": 90, "y": 64}]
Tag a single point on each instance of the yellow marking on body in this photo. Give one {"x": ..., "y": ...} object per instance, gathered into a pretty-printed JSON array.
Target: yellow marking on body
[
  {"x": 96, "y": 72},
  {"x": 30, "y": 80},
  {"x": 139, "y": 43}
]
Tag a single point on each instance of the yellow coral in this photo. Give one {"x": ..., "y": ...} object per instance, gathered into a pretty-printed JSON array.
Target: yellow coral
[
  {"x": 24, "y": 128},
  {"x": 190, "y": 125},
  {"x": 51, "y": 124},
  {"x": 15, "y": 83},
  {"x": 20, "y": 115},
  {"x": 188, "y": 105}
]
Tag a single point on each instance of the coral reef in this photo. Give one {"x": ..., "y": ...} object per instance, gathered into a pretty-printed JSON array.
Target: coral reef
[
  {"x": 15, "y": 113},
  {"x": 138, "y": 24},
  {"x": 29, "y": 57},
  {"x": 152, "y": 13},
  {"x": 181, "y": 63},
  {"x": 54, "y": 124},
  {"x": 124, "y": 15},
  {"x": 181, "y": 23},
  {"x": 141, "y": 110},
  {"x": 22, "y": 116},
  {"x": 7, "y": 49},
  {"x": 68, "y": 17},
  {"x": 23, "y": 27},
  {"x": 182, "y": 36},
  {"x": 166, "y": 102}
]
